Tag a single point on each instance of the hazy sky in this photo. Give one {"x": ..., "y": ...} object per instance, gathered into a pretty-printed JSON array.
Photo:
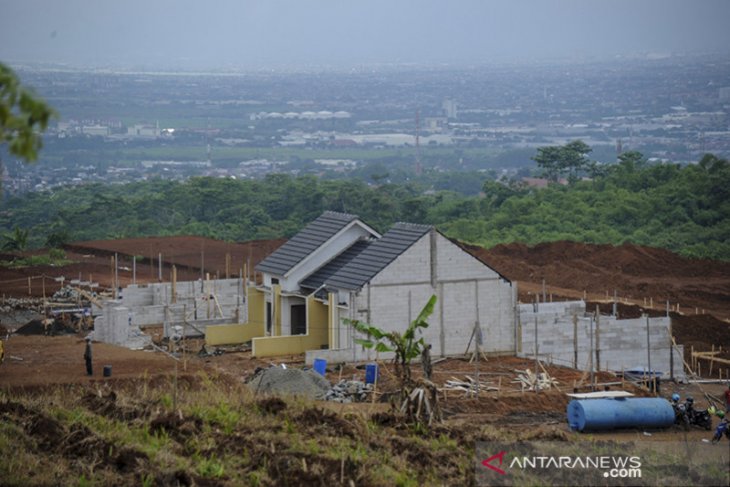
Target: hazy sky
[{"x": 221, "y": 34}]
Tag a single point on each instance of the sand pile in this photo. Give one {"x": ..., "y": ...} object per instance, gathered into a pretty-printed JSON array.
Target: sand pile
[{"x": 276, "y": 380}]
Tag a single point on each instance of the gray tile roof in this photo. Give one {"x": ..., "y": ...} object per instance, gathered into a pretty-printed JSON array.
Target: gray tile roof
[
  {"x": 286, "y": 257},
  {"x": 373, "y": 259},
  {"x": 325, "y": 272}
]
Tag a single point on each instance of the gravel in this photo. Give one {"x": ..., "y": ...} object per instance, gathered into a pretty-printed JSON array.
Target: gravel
[{"x": 276, "y": 380}]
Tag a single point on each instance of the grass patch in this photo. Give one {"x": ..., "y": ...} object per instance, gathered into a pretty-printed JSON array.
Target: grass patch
[{"x": 132, "y": 435}]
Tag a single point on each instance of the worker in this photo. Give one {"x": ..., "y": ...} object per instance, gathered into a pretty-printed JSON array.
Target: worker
[
  {"x": 727, "y": 399},
  {"x": 87, "y": 357}
]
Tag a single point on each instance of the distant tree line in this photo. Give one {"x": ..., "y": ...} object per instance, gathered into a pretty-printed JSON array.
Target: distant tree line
[{"x": 685, "y": 209}]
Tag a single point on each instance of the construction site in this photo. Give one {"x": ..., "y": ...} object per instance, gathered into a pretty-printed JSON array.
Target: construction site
[
  {"x": 587, "y": 319},
  {"x": 186, "y": 285}
]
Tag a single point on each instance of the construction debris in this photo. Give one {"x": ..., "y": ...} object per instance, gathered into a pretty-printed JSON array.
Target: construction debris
[
  {"x": 530, "y": 381},
  {"x": 347, "y": 391},
  {"x": 469, "y": 385},
  {"x": 277, "y": 380}
]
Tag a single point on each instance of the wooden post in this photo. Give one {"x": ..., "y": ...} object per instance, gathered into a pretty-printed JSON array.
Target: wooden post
[
  {"x": 174, "y": 284},
  {"x": 671, "y": 352},
  {"x": 544, "y": 300},
  {"x": 536, "y": 367},
  {"x": 228, "y": 264},
  {"x": 598, "y": 339},
  {"x": 591, "y": 361},
  {"x": 29, "y": 288},
  {"x": 159, "y": 267},
  {"x": 207, "y": 293},
  {"x": 43, "y": 284},
  {"x": 648, "y": 348},
  {"x": 575, "y": 341}
]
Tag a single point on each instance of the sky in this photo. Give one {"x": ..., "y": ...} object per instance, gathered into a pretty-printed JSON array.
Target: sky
[{"x": 255, "y": 34}]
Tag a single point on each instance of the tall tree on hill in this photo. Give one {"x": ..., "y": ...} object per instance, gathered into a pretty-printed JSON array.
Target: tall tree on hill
[{"x": 565, "y": 160}]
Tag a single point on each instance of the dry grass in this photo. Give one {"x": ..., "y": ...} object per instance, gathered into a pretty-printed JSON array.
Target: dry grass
[{"x": 213, "y": 431}]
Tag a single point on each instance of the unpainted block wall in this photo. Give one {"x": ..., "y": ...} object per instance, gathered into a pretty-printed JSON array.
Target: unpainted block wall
[
  {"x": 152, "y": 304},
  {"x": 467, "y": 292},
  {"x": 617, "y": 344}
]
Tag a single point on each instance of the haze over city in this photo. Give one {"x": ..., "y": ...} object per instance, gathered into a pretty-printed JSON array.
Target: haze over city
[{"x": 194, "y": 34}]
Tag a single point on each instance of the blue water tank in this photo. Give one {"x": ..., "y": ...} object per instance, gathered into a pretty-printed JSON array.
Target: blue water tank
[
  {"x": 320, "y": 366},
  {"x": 371, "y": 373},
  {"x": 629, "y": 412}
]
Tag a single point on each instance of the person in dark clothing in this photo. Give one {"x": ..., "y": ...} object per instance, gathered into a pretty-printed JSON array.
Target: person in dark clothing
[
  {"x": 87, "y": 357},
  {"x": 727, "y": 399}
]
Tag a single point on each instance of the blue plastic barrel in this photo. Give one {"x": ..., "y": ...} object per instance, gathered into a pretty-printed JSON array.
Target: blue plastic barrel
[
  {"x": 371, "y": 373},
  {"x": 107, "y": 371},
  {"x": 629, "y": 412},
  {"x": 320, "y": 366}
]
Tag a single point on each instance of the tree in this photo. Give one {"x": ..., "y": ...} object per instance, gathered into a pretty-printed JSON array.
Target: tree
[
  {"x": 21, "y": 115},
  {"x": 712, "y": 163},
  {"x": 569, "y": 159},
  {"x": 17, "y": 240}
]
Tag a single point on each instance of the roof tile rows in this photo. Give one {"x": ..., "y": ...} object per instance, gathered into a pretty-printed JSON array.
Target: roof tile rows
[
  {"x": 376, "y": 256},
  {"x": 305, "y": 242}
]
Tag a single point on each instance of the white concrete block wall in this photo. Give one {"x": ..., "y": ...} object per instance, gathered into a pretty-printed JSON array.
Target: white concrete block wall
[
  {"x": 465, "y": 289},
  {"x": 150, "y": 305},
  {"x": 455, "y": 263},
  {"x": 412, "y": 266},
  {"x": 621, "y": 344},
  {"x": 113, "y": 325}
]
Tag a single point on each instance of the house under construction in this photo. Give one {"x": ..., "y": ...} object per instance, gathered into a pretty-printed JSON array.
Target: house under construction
[{"x": 338, "y": 267}]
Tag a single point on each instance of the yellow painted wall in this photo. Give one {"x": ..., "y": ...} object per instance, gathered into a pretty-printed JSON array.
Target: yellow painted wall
[
  {"x": 256, "y": 305},
  {"x": 331, "y": 318},
  {"x": 317, "y": 322},
  {"x": 240, "y": 333},
  {"x": 316, "y": 337}
]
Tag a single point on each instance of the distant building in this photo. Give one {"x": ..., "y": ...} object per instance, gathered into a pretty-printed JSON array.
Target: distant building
[
  {"x": 542, "y": 182},
  {"x": 102, "y": 130},
  {"x": 449, "y": 108},
  {"x": 139, "y": 130}
]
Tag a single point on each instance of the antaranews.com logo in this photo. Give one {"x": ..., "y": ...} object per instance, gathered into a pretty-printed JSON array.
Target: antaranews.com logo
[
  {"x": 612, "y": 466},
  {"x": 601, "y": 462}
]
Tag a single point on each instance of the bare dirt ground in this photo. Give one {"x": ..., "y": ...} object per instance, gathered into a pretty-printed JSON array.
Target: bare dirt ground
[
  {"x": 36, "y": 362},
  {"x": 570, "y": 271},
  {"x": 92, "y": 261}
]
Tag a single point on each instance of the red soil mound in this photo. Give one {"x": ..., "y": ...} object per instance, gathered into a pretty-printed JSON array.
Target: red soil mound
[{"x": 632, "y": 271}]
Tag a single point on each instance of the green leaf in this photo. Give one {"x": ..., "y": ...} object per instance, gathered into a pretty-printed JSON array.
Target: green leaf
[
  {"x": 364, "y": 343},
  {"x": 426, "y": 312}
]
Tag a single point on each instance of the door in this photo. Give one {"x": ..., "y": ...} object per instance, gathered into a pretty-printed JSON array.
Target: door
[
  {"x": 268, "y": 318},
  {"x": 298, "y": 319}
]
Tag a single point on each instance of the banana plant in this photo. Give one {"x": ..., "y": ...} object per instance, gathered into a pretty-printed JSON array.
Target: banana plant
[{"x": 406, "y": 346}]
